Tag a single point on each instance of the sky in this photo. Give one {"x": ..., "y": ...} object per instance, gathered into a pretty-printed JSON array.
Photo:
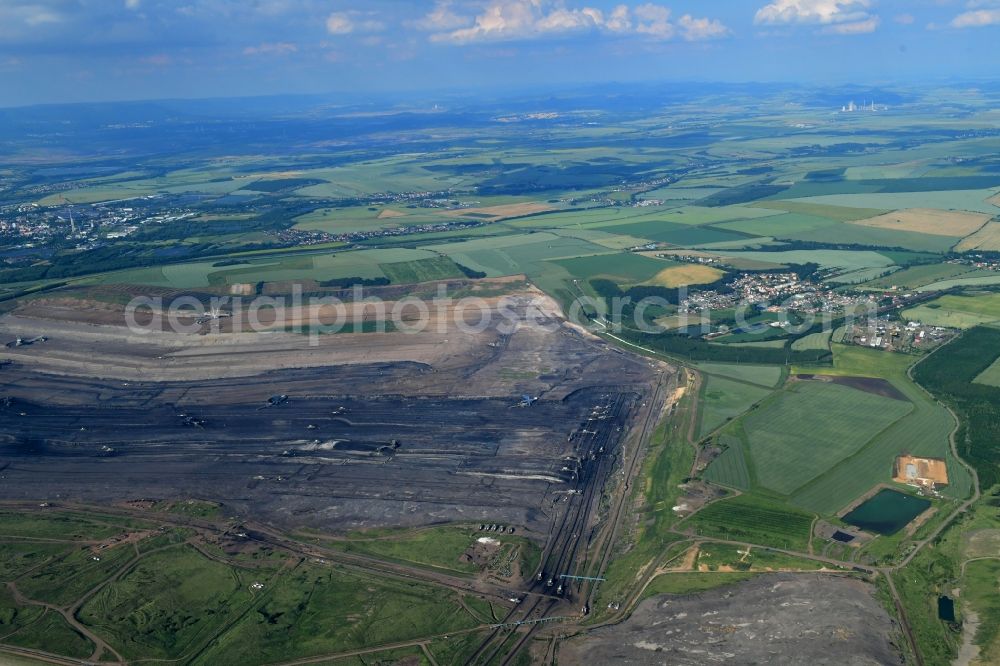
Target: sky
[{"x": 105, "y": 50}]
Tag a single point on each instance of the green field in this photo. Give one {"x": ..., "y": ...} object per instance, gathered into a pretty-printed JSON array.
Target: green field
[
  {"x": 923, "y": 431},
  {"x": 845, "y": 260},
  {"x": 990, "y": 375},
  {"x": 763, "y": 375},
  {"x": 918, "y": 276},
  {"x": 819, "y": 340},
  {"x": 421, "y": 270},
  {"x": 436, "y": 547},
  {"x": 320, "y": 610},
  {"x": 958, "y": 311},
  {"x": 970, "y": 200},
  {"x": 168, "y": 604},
  {"x": 754, "y": 520},
  {"x": 622, "y": 268},
  {"x": 829, "y": 212},
  {"x": 408, "y": 265},
  {"x": 730, "y": 468},
  {"x": 723, "y": 399},
  {"x": 810, "y": 427},
  {"x": 780, "y": 226}
]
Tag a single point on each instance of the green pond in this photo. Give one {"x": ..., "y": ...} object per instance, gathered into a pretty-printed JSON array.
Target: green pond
[{"x": 887, "y": 512}]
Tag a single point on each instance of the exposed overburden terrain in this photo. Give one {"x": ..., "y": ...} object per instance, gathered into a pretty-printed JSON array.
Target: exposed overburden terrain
[
  {"x": 404, "y": 442},
  {"x": 772, "y": 619}
]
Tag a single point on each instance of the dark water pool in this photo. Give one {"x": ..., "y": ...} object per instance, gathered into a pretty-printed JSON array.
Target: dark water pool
[
  {"x": 887, "y": 512},
  {"x": 946, "y": 609}
]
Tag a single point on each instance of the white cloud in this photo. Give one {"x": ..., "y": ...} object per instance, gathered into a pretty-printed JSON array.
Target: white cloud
[
  {"x": 339, "y": 23},
  {"x": 823, "y": 12},
  {"x": 870, "y": 24},
  {"x": 344, "y": 23},
  {"x": 699, "y": 29},
  {"x": 271, "y": 48},
  {"x": 27, "y": 14},
  {"x": 132, "y": 4},
  {"x": 653, "y": 20},
  {"x": 977, "y": 18},
  {"x": 502, "y": 20},
  {"x": 618, "y": 20},
  {"x": 442, "y": 18}
]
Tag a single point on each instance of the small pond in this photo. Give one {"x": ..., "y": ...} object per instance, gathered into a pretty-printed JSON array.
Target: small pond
[{"x": 887, "y": 512}]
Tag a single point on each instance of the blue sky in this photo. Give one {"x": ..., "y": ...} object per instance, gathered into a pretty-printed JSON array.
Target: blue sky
[{"x": 89, "y": 50}]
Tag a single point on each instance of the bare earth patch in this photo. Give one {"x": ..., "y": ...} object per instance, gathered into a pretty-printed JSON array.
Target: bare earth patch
[
  {"x": 386, "y": 213},
  {"x": 770, "y": 619},
  {"x": 928, "y": 221}
]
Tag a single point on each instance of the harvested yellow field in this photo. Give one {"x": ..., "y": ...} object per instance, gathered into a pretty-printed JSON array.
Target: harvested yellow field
[
  {"x": 928, "y": 221},
  {"x": 679, "y": 276},
  {"x": 502, "y": 212},
  {"x": 386, "y": 213},
  {"x": 987, "y": 238}
]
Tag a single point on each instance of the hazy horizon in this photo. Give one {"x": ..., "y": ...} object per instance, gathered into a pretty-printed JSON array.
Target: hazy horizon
[{"x": 60, "y": 51}]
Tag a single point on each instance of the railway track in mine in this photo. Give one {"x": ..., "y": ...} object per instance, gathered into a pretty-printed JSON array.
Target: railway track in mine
[{"x": 572, "y": 538}]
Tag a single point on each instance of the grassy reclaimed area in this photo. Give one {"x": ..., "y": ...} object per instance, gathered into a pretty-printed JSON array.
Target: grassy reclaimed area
[
  {"x": 664, "y": 468},
  {"x": 164, "y": 599},
  {"x": 439, "y": 547},
  {"x": 316, "y": 610},
  {"x": 727, "y": 557},
  {"x": 66, "y": 579},
  {"x": 753, "y": 519},
  {"x": 52, "y": 633},
  {"x": 698, "y": 350},
  {"x": 692, "y": 582},
  {"x": 168, "y": 604}
]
